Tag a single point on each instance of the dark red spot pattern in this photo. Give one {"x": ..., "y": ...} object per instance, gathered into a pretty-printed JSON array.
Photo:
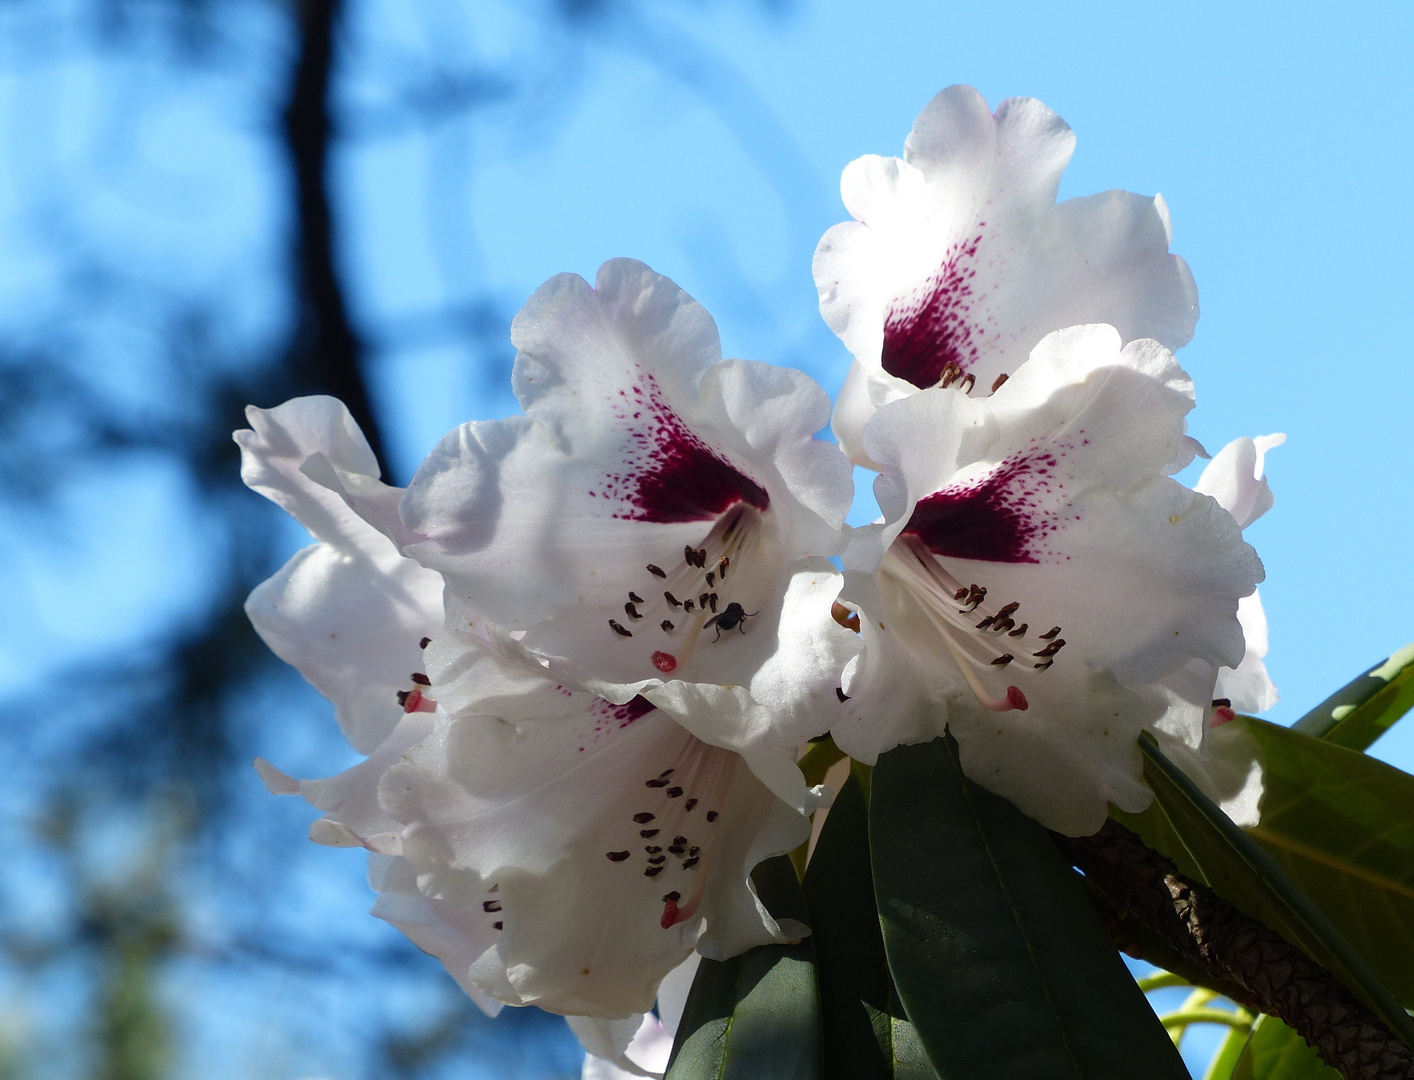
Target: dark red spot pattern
[
  {"x": 1002, "y": 518},
  {"x": 926, "y": 332},
  {"x": 669, "y": 474}
]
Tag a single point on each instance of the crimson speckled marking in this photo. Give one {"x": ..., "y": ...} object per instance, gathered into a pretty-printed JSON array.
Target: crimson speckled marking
[
  {"x": 932, "y": 329},
  {"x": 1001, "y": 518},
  {"x": 670, "y": 475}
]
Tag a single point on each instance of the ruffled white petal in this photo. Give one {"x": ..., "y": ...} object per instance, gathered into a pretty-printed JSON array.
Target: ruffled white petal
[
  {"x": 616, "y": 1050},
  {"x": 959, "y": 255}
]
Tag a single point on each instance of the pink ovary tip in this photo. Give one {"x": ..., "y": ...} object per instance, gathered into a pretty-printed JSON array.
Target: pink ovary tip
[
  {"x": 417, "y": 703},
  {"x": 1222, "y": 715},
  {"x": 665, "y": 662}
]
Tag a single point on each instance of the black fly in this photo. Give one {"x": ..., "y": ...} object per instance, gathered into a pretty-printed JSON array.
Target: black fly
[{"x": 733, "y": 616}]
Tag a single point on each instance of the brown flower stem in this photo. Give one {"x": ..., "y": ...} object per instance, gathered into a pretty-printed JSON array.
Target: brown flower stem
[{"x": 1257, "y": 967}]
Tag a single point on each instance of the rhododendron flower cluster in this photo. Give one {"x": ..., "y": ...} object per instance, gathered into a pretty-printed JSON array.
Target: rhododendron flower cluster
[{"x": 585, "y": 648}]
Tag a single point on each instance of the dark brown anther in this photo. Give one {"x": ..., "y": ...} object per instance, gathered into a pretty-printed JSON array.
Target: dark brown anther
[
  {"x": 1003, "y": 660},
  {"x": 689, "y": 556},
  {"x": 687, "y": 806},
  {"x": 631, "y": 611},
  {"x": 421, "y": 679},
  {"x": 1008, "y": 609},
  {"x": 490, "y": 906},
  {"x": 656, "y": 571},
  {"x": 997, "y": 382},
  {"x": 722, "y": 565},
  {"x": 403, "y": 696},
  {"x": 1052, "y": 632},
  {"x": 959, "y": 594},
  {"x": 666, "y": 772},
  {"x": 712, "y": 602},
  {"x": 672, "y": 897},
  {"x": 693, "y": 850},
  {"x": 648, "y": 834},
  {"x": 846, "y": 618},
  {"x": 680, "y": 840},
  {"x": 687, "y": 605},
  {"x": 949, "y": 375},
  {"x": 839, "y": 693},
  {"x": 498, "y": 925},
  {"x": 1222, "y": 703},
  {"x": 711, "y": 815},
  {"x": 616, "y": 856},
  {"x": 1002, "y": 624},
  {"x": 702, "y": 600},
  {"x": 666, "y": 626},
  {"x": 672, "y": 600},
  {"x": 674, "y": 792},
  {"x": 424, "y": 643},
  {"x": 657, "y": 860},
  {"x": 968, "y": 382},
  {"x": 653, "y": 871},
  {"x": 643, "y": 818},
  {"x": 677, "y": 849},
  {"x": 1020, "y": 631},
  {"x": 653, "y": 849},
  {"x": 634, "y": 597},
  {"x": 987, "y": 622},
  {"x": 1051, "y": 649},
  {"x": 620, "y": 630},
  {"x": 688, "y": 864},
  {"x": 659, "y": 782},
  {"x": 711, "y": 577}
]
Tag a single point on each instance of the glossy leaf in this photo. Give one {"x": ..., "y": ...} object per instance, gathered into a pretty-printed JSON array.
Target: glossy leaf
[
  {"x": 1187, "y": 826},
  {"x": 755, "y": 1016},
  {"x": 999, "y": 958},
  {"x": 867, "y": 1034},
  {"x": 1364, "y": 709},
  {"x": 1229, "y": 1053},
  {"x": 1342, "y": 825},
  {"x": 1275, "y": 1052}
]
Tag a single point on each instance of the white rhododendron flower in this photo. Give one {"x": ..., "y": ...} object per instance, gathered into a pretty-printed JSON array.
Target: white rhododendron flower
[
  {"x": 549, "y": 846},
  {"x": 1037, "y": 571},
  {"x": 658, "y": 521},
  {"x": 959, "y": 260},
  {"x": 609, "y": 841}
]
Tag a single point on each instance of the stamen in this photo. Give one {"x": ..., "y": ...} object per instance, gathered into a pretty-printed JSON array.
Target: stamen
[
  {"x": 1051, "y": 649},
  {"x": 687, "y": 606},
  {"x": 648, "y": 834},
  {"x": 1003, "y": 660},
  {"x": 620, "y": 630},
  {"x": 688, "y": 864},
  {"x": 631, "y": 611},
  {"x": 839, "y": 693},
  {"x": 424, "y": 643},
  {"x": 722, "y": 567},
  {"x": 490, "y": 906},
  {"x": 616, "y": 856},
  {"x": 1020, "y": 631},
  {"x": 656, "y": 571},
  {"x": 643, "y": 818},
  {"x": 997, "y": 382},
  {"x": 711, "y": 577},
  {"x": 1222, "y": 703},
  {"x": 968, "y": 382},
  {"x": 667, "y": 627},
  {"x": 672, "y": 600},
  {"x": 653, "y": 871},
  {"x": 421, "y": 679},
  {"x": 1052, "y": 632},
  {"x": 712, "y": 602},
  {"x": 634, "y": 597},
  {"x": 674, "y": 792},
  {"x": 498, "y": 925},
  {"x": 687, "y": 807},
  {"x": 712, "y": 815}
]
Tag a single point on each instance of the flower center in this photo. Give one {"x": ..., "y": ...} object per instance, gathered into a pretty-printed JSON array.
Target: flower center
[
  {"x": 985, "y": 639},
  {"x": 705, "y": 592},
  {"x": 675, "y": 828}
]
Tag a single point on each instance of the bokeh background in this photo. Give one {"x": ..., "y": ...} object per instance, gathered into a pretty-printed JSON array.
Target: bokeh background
[{"x": 205, "y": 203}]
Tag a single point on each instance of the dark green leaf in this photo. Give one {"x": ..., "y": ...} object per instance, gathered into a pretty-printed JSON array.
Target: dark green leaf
[
  {"x": 1187, "y": 826},
  {"x": 999, "y": 959},
  {"x": 1342, "y": 825},
  {"x": 756, "y": 1016},
  {"x": 1275, "y": 1052},
  {"x": 1361, "y": 711},
  {"x": 867, "y": 1033}
]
